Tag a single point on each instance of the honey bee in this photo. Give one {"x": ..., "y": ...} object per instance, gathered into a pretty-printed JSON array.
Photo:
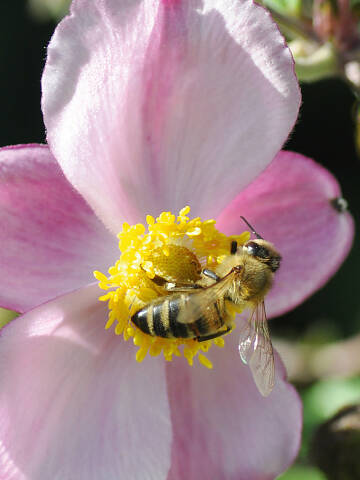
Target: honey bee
[{"x": 198, "y": 310}]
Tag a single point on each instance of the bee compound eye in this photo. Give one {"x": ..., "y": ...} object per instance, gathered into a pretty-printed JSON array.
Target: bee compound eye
[
  {"x": 252, "y": 248},
  {"x": 257, "y": 250}
]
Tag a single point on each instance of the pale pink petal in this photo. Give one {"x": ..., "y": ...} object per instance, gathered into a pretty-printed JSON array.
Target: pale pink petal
[
  {"x": 289, "y": 204},
  {"x": 74, "y": 403},
  {"x": 152, "y": 105},
  {"x": 51, "y": 240},
  {"x": 223, "y": 428}
]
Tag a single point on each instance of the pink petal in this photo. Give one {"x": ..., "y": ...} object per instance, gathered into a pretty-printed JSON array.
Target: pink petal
[
  {"x": 223, "y": 428},
  {"x": 289, "y": 204},
  {"x": 74, "y": 403},
  {"x": 51, "y": 240},
  {"x": 152, "y": 105}
]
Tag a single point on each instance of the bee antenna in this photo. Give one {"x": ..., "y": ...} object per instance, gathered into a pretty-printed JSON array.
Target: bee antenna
[{"x": 251, "y": 228}]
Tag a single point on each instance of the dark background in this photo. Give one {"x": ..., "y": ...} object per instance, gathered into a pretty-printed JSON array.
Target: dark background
[{"x": 326, "y": 132}]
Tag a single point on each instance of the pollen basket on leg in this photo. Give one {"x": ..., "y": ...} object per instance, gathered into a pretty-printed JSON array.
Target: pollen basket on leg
[{"x": 149, "y": 284}]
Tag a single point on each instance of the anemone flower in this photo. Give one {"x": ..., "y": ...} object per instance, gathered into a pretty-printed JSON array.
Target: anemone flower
[{"x": 151, "y": 106}]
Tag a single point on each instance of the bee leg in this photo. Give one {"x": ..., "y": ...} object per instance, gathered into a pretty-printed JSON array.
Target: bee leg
[
  {"x": 184, "y": 288},
  {"x": 214, "y": 335},
  {"x": 211, "y": 274}
]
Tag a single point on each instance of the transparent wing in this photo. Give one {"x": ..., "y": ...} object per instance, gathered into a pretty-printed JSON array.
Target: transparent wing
[
  {"x": 195, "y": 304},
  {"x": 256, "y": 350}
]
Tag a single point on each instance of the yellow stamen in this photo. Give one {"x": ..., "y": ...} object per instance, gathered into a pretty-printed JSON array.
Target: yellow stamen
[
  {"x": 205, "y": 361},
  {"x": 173, "y": 251}
]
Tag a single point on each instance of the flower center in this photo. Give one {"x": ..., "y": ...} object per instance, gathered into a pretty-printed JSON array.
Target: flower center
[{"x": 157, "y": 272}]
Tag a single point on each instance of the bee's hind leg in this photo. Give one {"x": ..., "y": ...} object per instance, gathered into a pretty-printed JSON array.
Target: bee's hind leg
[{"x": 213, "y": 335}]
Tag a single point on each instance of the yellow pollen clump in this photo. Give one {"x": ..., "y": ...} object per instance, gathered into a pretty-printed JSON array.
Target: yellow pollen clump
[{"x": 172, "y": 253}]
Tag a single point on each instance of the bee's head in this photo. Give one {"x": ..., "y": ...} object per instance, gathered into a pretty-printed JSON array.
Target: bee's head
[{"x": 264, "y": 252}]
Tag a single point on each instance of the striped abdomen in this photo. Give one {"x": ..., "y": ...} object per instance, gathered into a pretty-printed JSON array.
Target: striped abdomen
[{"x": 160, "y": 318}]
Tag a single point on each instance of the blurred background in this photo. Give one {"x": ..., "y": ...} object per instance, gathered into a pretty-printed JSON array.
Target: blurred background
[{"x": 320, "y": 340}]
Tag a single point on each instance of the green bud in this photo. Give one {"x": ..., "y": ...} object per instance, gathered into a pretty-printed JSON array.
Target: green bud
[
  {"x": 44, "y": 10},
  {"x": 292, "y": 8},
  {"x": 314, "y": 62}
]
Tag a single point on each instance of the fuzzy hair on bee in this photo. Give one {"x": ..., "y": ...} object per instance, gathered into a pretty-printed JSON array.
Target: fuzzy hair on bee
[{"x": 198, "y": 310}]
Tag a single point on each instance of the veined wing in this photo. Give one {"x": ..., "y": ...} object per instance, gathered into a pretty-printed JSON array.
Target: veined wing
[
  {"x": 196, "y": 303},
  {"x": 256, "y": 350}
]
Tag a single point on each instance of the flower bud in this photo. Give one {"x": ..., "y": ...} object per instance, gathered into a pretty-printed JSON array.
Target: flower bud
[{"x": 336, "y": 445}]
